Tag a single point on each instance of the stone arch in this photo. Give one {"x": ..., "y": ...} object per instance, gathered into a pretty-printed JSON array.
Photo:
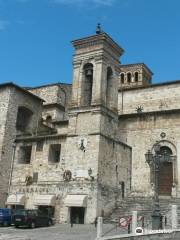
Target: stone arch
[
  {"x": 129, "y": 77},
  {"x": 87, "y": 84},
  {"x": 122, "y": 77},
  {"x": 109, "y": 86},
  {"x": 136, "y": 76},
  {"x": 168, "y": 144}
]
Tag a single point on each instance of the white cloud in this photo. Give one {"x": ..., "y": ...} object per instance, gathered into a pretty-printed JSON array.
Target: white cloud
[
  {"x": 82, "y": 2},
  {"x": 4, "y": 24}
]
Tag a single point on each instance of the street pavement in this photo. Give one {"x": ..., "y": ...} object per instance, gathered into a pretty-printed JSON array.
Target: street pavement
[{"x": 57, "y": 232}]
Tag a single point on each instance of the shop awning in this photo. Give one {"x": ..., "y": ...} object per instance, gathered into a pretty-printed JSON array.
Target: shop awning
[
  {"x": 45, "y": 200},
  {"x": 76, "y": 201},
  {"x": 16, "y": 199}
]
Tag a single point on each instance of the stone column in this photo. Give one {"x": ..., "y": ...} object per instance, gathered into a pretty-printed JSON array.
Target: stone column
[
  {"x": 75, "y": 85},
  {"x": 134, "y": 221},
  {"x": 99, "y": 228},
  {"x": 174, "y": 217},
  {"x": 99, "y": 77}
]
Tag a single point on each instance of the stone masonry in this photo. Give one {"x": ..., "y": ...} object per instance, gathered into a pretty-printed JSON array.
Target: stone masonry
[{"x": 78, "y": 149}]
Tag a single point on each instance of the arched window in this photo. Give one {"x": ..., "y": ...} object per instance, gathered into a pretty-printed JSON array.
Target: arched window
[
  {"x": 109, "y": 86},
  {"x": 24, "y": 117},
  {"x": 122, "y": 78},
  {"x": 87, "y": 84},
  {"x": 136, "y": 76},
  {"x": 129, "y": 77}
]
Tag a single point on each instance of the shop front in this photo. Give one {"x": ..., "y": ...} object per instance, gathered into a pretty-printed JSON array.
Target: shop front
[{"x": 77, "y": 205}]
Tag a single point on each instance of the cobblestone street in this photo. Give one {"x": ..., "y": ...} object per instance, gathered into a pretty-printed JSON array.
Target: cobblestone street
[{"x": 57, "y": 232}]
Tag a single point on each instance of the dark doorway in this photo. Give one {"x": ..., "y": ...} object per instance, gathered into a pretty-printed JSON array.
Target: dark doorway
[
  {"x": 77, "y": 215},
  {"x": 166, "y": 172},
  {"x": 166, "y": 179}
]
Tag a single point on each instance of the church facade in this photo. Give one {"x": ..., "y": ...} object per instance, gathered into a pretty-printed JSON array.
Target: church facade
[{"x": 77, "y": 150}]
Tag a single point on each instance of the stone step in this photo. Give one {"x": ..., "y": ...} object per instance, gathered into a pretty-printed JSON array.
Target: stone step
[{"x": 144, "y": 207}]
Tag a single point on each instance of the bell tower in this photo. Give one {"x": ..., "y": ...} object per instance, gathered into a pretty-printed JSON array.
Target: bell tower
[
  {"x": 92, "y": 146},
  {"x": 95, "y": 71}
]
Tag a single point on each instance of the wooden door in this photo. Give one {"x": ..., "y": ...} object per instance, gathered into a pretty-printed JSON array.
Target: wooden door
[{"x": 165, "y": 179}]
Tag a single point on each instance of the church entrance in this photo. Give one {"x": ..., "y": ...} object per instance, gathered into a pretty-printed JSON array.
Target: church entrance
[
  {"x": 166, "y": 178},
  {"x": 166, "y": 172},
  {"x": 77, "y": 215}
]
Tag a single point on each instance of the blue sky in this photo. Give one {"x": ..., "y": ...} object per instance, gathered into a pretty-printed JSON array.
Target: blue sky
[{"x": 35, "y": 36}]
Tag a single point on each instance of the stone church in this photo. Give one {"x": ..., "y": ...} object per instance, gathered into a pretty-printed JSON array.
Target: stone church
[{"x": 76, "y": 151}]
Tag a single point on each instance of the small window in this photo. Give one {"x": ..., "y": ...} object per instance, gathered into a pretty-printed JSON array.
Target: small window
[
  {"x": 49, "y": 119},
  {"x": 122, "y": 78},
  {"x": 24, "y": 117},
  {"x": 54, "y": 153},
  {"x": 129, "y": 77},
  {"x": 136, "y": 76},
  {"x": 39, "y": 146},
  {"x": 123, "y": 189},
  {"x": 25, "y": 154}
]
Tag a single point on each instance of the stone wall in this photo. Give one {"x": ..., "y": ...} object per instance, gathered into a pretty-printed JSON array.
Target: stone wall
[
  {"x": 50, "y": 176},
  {"x": 55, "y": 93},
  {"x": 13, "y": 98},
  {"x": 113, "y": 169},
  {"x": 56, "y": 98},
  {"x": 39, "y": 162},
  {"x": 142, "y": 131},
  {"x": 160, "y": 97},
  {"x": 84, "y": 122},
  {"x": 4, "y": 165}
]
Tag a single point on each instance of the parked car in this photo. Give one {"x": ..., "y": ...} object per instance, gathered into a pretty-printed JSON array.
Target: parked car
[
  {"x": 5, "y": 217},
  {"x": 31, "y": 218}
]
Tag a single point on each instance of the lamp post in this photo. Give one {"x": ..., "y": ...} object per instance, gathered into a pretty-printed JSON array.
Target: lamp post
[{"x": 154, "y": 161}]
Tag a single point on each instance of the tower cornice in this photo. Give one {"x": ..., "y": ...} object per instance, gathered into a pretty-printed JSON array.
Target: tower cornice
[{"x": 101, "y": 39}]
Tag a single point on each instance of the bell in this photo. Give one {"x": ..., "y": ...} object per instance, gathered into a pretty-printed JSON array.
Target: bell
[{"x": 89, "y": 72}]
